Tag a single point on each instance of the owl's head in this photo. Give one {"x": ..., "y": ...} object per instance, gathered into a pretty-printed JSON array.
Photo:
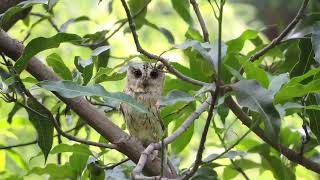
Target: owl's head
[{"x": 145, "y": 77}]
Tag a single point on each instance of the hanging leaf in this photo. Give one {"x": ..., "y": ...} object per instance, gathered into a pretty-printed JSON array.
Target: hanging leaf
[
  {"x": 43, "y": 126},
  {"x": 182, "y": 7},
  {"x": 55, "y": 171},
  {"x": 256, "y": 73},
  {"x": 250, "y": 94},
  {"x": 175, "y": 96},
  {"x": 75, "y": 148},
  {"x": 71, "y": 89},
  {"x": 236, "y": 45},
  {"x": 40, "y": 44},
  {"x": 297, "y": 88},
  {"x": 64, "y": 26},
  {"x": 56, "y": 62},
  {"x": 314, "y": 115},
  {"x": 136, "y": 7},
  {"x": 85, "y": 67}
]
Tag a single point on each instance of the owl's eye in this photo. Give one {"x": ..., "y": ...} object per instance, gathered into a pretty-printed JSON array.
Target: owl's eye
[
  {"x": 137, "y": 73},
  {"x": 154, "y": 74}
]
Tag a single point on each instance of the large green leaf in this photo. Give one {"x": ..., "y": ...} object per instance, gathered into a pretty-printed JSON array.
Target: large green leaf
[
  {"x": 183, "y": 9},
  {"x": 56, "y": 62},
  {"x": 306, "y": 58},
  {"x": 237, "y": 44},
  {"x": 78, "y": 162},
  {"x": 55, "y": 171},
  {"x": 254, "y": 72},
  {"x": 71, "y": 89},
  {"x": 75, "y": 148},
  {"x": 43, "y": 126},
  {"x": 40, "y": 44},
  {"x": 175, "y": 96},
  {"x": 85, "y": 67},
  {"x": 297, "y": 88},
  {"x": 249, "y": 93},
  {"x": 65, "y": 25},
  {"x": 135, "y": 7}
]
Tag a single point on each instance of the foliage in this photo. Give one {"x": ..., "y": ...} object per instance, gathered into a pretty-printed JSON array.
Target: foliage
[{"x": 280, "y": 91}]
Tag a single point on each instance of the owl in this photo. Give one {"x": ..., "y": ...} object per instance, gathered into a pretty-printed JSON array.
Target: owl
[{"x": 145, "y": 84}]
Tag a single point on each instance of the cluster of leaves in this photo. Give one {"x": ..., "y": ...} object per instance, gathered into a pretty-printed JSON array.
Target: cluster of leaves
[{"x": 284, "y": 82}]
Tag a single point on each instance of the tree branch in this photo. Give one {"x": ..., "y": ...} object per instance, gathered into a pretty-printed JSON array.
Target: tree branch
[
  {"x": 201, "y": 21},
  {"x": 97, "y": 120},
  {"x": 284, "y": 33}
]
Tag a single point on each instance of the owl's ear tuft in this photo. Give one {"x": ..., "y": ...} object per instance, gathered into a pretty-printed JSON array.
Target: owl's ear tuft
[{"x": 160, "y": 66}]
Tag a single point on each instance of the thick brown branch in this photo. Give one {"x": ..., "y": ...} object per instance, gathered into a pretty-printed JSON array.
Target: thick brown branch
[
  {"x": 290, "y": 154},
  {"x": 97, "y": 120}
]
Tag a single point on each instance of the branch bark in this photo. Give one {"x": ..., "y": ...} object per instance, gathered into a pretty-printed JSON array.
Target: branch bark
[{"x": 104, "y": 126}]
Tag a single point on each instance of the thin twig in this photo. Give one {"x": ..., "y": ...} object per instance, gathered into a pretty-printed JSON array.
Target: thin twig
[
  {"x": 152, "y": 56},
  {"x": 201, "y": 21},
  {"x": 53, "y": 24},
  {"x": 284, "y": 33},
  {"x": 198, "y": 160}
]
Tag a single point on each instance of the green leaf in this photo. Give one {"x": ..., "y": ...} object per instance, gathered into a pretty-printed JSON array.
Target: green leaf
[
  {"x": 18, "y": 159},
  {"x": 314, "y": 115},
  {"x": 13, "y": 111},
  {"x": 237, "y": 44},
  {"x": 182, "y": 141},
  {"x": 43, "y": 126},
  {"x": 175, "y": 96},
  {"x": 306, "y": 58},
  {"x": 290, "y": 91},
  {"x": 56, "y": 62},
  {"x": 182, "y": 7},
  {"x": 100, "y": 50},
  {"x": 64, "y": 26},
  {"x": 75, "y": 148},
  {"x": 254, "y": 72},
  {"x": 193, "y": 34},
  {"x": 6, "y": 16},
  {"x": 71, "y": 89},
  {"x": 85, "y": 67},
  {"x": 55, "y": 171},
  {"x": 229, "y": 155},
  {"x": 250, "y": 94},
  {"x": 78, "y": 162},
  {"x": 135, "y": 7},
  {"x": 277, "y": 82},
  {"x": 40, "y": 44},
  {"x": 205, "y": 173}
]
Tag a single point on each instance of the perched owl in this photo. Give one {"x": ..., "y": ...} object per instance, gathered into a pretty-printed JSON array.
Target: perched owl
[{"x": 145, "y": 84}]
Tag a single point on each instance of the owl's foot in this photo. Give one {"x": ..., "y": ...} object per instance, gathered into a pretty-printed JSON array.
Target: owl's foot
[{"x": 154, "y": 154}]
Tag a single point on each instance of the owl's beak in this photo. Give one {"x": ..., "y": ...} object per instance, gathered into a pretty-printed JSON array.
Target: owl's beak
[{"x": 145, "y": 83}]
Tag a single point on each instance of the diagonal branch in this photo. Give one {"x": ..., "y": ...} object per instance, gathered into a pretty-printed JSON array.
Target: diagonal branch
[
  {"x": 97, "y": 120},
  {"x": 284, "y": 33}
]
